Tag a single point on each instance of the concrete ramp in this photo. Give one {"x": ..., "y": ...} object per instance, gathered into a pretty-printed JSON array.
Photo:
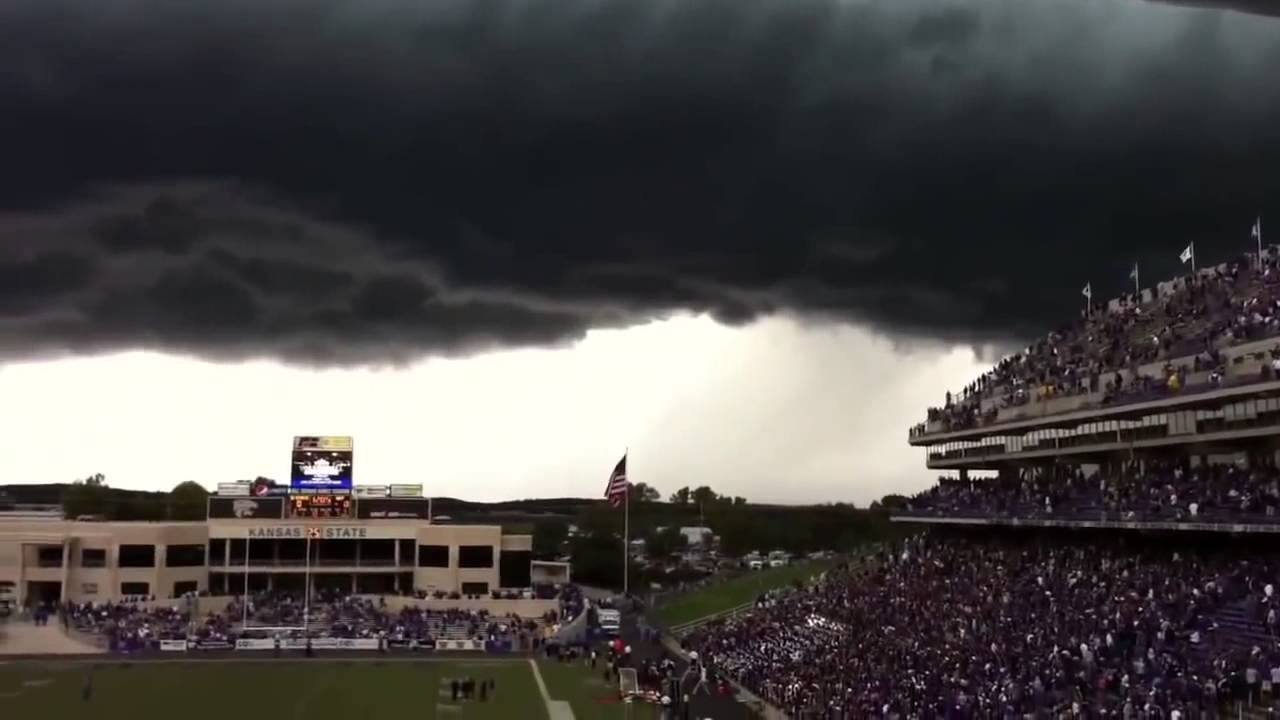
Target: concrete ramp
[
  {"x": 23, "y": 638},
  {"x": 574, "y": 632}
]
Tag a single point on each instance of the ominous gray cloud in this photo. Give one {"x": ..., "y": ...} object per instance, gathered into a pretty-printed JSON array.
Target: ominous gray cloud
[{"x": 333, "y": 181}]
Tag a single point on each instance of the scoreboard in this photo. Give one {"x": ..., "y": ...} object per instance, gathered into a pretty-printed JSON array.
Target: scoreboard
[{"x": 321, "y": 507}]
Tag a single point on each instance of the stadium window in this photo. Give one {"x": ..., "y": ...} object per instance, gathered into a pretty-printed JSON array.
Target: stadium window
[
  {"x": 49, "y": 556},
  {"x": 135, "y": 588},
  {"x": 514, "y": 568},
  {"x": 217, "y": 551},
  {"x": 436, "y": 556},
  {"x": 475, "y": 588},
  {"x": 134, "y": 556},
  {"x": 182, "y": 587},
  {"x": 93, "y": 557},
  {"x": 184, "y": 556},
  {"x": 475, "y": 556}
]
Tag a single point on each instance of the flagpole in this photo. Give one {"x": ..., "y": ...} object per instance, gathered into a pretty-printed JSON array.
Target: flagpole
[
  {"x": 245, "y": 620},
  {"x": 306, "y": 588},
  {"x": 1137, "y": 288},
  {"x": 1257, "y": 225},
  {"x": 626, "y": 529},
  {"x": 1193, "y": 258}
]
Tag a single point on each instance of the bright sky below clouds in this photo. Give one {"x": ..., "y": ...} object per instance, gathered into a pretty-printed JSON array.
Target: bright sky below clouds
[{"x": 775, "y": 411}]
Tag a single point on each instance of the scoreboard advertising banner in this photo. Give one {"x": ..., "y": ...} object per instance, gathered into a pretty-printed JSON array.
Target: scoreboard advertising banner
[
  {"x": 321, "y": 463},
  {"x": 393, "y": 508}
]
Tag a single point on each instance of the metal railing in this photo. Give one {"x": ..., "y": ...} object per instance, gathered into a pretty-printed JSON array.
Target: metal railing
[{"x": 687, "y": 627}]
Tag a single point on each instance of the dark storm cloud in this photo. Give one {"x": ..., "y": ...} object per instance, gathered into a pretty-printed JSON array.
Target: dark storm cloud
[{"x": 342, "y": 182}]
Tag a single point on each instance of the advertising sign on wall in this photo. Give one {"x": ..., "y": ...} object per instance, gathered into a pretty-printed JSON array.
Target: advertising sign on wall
[
  {"x": 246, "y": 508},
  {"x": 406, "y": 491},
  {"x": 393, "y": 509},
  {"x": 323, "y": 443}
]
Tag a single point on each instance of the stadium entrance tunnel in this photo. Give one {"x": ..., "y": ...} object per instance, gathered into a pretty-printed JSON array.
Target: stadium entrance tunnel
[{"x": 43, "y": 592}]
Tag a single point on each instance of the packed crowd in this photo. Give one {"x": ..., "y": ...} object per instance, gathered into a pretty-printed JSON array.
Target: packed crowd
[
  {"x": 1003, "y": 628},
  {"x": 1147, "y": 491},
  {"x": 133, "y": 626},
  {"x": 136, "y": 625},
  {"x": 1195, "y": 318}
]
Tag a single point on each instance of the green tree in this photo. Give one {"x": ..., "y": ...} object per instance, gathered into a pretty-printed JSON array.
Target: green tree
[
  {"x": 664, "y": 542},
  {"x": 680, "y": 497},
  {"x": 703, "y": 496},
  {"x": 894, "y": 502},
  {"x": 187, "y": 501},
  {"x": 548, "y": 539},
  {"x": 643, "y": 492},
  {"x": 89, "y": 496}
]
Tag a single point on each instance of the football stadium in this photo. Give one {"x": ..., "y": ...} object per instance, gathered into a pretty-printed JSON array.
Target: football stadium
[
  {"x": 706, "y": 359},
  {"x": 1101, "y": 542},
  {"x": 360, "y": 600},
  {"x": 1098, "y": 543}
]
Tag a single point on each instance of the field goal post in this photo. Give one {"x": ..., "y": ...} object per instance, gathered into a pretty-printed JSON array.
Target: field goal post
[{"x": 628, "y": 683}]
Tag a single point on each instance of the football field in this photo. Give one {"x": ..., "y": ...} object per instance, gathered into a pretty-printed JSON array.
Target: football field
[{"x": 316, "y": 689}]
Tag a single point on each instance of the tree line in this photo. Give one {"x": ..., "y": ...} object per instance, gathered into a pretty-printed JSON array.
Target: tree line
[
  {"x": 91, "y": 497},
  {"x": 742, "y": 527}
]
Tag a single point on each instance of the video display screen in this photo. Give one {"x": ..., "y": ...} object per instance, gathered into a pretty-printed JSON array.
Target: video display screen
[{"x": 321, "y": 470}]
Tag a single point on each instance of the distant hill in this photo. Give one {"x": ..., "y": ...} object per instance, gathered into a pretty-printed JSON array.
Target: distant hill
[
  {"x": 51, "y": 494},
  {"x": 531, "y": 509}
]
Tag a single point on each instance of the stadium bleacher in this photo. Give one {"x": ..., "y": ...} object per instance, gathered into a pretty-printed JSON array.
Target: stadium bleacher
[
  {"x": 1169, "y": 340},
  {"x": 135, "y": 627},
  {"x": 1014, "y": 626},
  {"x": 1101, "y": 550}
]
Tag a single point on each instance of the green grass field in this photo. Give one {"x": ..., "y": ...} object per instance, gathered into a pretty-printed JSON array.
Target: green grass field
[
  {"x": 729, "y": 594},
  {"x": 316, "y": 689}
]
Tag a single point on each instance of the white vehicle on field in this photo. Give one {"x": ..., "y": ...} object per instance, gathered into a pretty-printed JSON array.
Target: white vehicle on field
[{"x": 610, "y": 621}]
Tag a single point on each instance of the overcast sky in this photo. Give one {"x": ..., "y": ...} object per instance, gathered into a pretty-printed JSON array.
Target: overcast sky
[
  {"x": 286, "y": 215},
  {"x": 773, "y": 411}
]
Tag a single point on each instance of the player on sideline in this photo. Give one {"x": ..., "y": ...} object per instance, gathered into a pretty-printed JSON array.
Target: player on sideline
[{"x": 86, "y": 693}]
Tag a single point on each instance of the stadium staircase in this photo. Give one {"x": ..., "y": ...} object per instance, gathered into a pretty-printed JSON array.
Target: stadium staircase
[{"x": 1236, "y": 630}]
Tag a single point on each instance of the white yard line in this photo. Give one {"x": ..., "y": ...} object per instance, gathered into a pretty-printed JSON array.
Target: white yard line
[{"x": 556, "y": 709}]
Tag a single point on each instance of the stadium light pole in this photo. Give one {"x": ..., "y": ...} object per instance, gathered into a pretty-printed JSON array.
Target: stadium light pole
[
  {"x": 306, "y": 588},
  {"x": 244, "y": 620},
  {"x": 626, "y": 535}
]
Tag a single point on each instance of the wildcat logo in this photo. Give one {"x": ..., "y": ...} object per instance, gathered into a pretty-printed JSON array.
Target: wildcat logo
[{"x": 244, "y": 508}]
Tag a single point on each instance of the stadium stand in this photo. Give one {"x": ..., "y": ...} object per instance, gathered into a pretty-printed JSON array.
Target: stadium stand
[
  {"x": 1098, "y": 547},
  {"x": 1169, "y": 340},
  {"x": 953, "y": 626},
  {"x": 131, "y": 627}
]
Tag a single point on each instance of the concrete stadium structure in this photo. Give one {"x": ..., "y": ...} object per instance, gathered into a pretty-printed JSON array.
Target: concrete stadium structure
[
  {"x": 86, "y": 561},
  {"x": 1224, "y": 413}
]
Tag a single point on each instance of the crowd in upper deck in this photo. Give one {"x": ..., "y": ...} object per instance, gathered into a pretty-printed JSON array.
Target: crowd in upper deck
[
  {"x": 1138, "y": 491},
  {"x": 1196, "y": 318},
  {"x": 1014, "y": 628}
]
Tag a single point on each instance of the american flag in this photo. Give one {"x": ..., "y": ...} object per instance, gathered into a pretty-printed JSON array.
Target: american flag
[{"x": 616, "y": 490}]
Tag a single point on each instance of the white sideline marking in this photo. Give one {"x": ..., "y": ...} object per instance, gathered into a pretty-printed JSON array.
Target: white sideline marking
[{"x": 556, "y": 709}]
